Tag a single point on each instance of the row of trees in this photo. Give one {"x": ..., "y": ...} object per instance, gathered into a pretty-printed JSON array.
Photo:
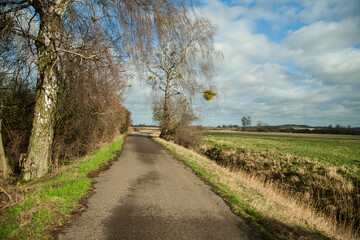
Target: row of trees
[
  {"x": 245, "y": 122},
  {"x": 64, "y": 69}
]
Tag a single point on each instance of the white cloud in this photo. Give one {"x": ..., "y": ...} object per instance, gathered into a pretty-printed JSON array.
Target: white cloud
[
  {"x": 138, "y": 102},
  {"x": 325, "y": 50},
  {"x": 335, "y": 67},
  {"x": 314, "y": 10},
  {"x": 325, "y": 36},
  {"x": 259, "y": 84},
  {"x": 310, "y": 76}
]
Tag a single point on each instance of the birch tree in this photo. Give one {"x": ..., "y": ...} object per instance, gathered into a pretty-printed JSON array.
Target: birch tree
[
  {"x": 181, "y": 66},
  {"x": 67, "y": 27}
]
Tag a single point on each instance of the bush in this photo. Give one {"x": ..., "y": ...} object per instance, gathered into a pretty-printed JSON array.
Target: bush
[
  {"x": 89, "y": 110},
  {"x": 188, "y": 137},
  {"x": 89, "y": 113},
  {"x": 17, "y": 102},
  {"x": 125, "y": 121}
]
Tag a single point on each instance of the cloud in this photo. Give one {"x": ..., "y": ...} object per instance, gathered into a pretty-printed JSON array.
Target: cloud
[
  {"x": 314, "y": 10},
  {"x": 284, "y": 62},
  {"x": 325, "y": 36},
  {"x": 334, "y": 67},
  {"x": 306, "y": 78},
  {"x": 326, "y": 50},
  {"x": 138, "y": 102}
]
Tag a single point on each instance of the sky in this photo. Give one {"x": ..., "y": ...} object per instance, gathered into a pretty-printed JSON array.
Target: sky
[{"x": 285, "y": 62}]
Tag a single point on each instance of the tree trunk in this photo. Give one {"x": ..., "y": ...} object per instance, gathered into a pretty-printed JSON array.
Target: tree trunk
[
  {"x": 38, "y": 160},
  {"x": 165, "y": 125},
  {"x": 4, "y": 167}
]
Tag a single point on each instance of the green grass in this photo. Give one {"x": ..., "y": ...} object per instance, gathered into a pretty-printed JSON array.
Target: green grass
[
  {"x": 330, "y": 150},
  {"x": 52, "y": 201}
]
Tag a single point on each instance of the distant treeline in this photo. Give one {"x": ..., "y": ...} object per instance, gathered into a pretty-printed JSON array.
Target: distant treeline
[
  {"x": 297, "y": 129},
  {"x": 282, "y": 128},
  {"x": 322, "y": 130},
  {"x": 144, "y": 125}
]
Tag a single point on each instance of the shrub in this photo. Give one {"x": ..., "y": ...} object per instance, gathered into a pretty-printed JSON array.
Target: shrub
[
  {"x": 125, "y": 121},
  {"x": 89, "y": 113},
  {"x": 17, "y": 101},
  {"x": 188, "y": 137}
]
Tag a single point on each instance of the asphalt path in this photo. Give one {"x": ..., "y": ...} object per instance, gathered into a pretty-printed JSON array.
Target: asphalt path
[{"x": 147, "y": 194}]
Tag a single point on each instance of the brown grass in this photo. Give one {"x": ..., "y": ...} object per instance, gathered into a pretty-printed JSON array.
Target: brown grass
[{"x": 324, "y": 188}]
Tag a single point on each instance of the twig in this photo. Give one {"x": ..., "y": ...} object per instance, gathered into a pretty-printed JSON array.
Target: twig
[
  {"x": 3, "y": 191},
  {"x": 93, "y": 57}
]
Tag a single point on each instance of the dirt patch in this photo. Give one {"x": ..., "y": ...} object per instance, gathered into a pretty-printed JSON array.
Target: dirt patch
[
  {"x": 103, "y": 167},
  {"x": 12, "y": 195}
]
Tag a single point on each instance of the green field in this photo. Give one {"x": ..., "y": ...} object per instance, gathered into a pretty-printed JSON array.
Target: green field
[
  {"x": 330, "y": 150},
  {"x": 321, "y": 170}
]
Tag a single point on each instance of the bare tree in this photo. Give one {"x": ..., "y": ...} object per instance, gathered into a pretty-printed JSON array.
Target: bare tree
[
  {"x": 13, "y": 80},
  {"x": 181, "y": 114},
  {"x": 246, "y": 121},
  {"x": 55, "y": 28},
  {"x": 181, "y": 66}
]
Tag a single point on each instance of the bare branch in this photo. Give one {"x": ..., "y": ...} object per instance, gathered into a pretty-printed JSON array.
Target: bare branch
[
  {"x": 15, "y": 9},
  {"x": 4, "y": 3},
  {"x": 185, "y": 56},
  {"x": 156, "y": 75},
  {"x": 92, "y": 57},
  {"x": 3, "y": 191},
  {"x": 23, "y": 34}
]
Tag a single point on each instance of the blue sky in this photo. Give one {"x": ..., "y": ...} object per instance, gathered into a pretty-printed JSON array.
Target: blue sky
[{"x": 285, "y": 62}]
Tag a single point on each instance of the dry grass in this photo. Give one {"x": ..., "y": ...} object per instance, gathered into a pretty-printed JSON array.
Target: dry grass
[
  {"x": 287, "y": 215},
  {"x": 331, "y": 190},
  {"x": 146, "y": 130}
]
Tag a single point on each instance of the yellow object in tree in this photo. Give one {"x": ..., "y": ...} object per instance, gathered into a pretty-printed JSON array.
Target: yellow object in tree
[{"x": 208, "y": 94}]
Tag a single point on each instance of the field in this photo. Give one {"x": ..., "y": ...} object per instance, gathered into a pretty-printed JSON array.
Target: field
[
  {"x": 320, "y": 170},
  {"x": 330, "y": 150}
]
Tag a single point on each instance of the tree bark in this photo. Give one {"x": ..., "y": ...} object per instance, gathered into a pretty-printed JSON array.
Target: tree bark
[
  {"x": 165, "y": 128},
  {"x": 4, "y": 167},
  {"x": 38, "y": 160}
]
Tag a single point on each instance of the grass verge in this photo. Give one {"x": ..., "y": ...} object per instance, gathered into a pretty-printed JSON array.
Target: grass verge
[
  {"x": 49, "y": 202},
  {"x": 321, "y": 170},
  {"x": 274, "y": 215}
]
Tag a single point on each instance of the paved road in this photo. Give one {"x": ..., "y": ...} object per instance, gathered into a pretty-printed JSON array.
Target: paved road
[{"x": 147, "y": 194}]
